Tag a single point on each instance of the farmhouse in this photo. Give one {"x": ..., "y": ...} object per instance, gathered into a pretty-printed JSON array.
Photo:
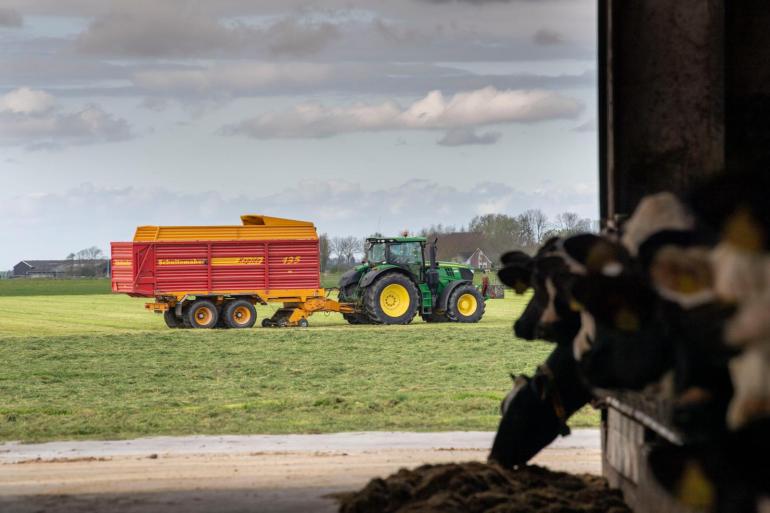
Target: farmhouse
[
  {"x": 464, "y": 247},
  {"x": 60, "y": 268}
]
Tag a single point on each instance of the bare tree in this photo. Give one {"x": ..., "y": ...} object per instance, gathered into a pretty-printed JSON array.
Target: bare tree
[
  {"x": 569, "y": 223},
  {"x": 538, "y": 223},
  {"x": 351, "y": 247},
  {"x": 337, "y": 248},
  {"x": 324, "y": 251}
]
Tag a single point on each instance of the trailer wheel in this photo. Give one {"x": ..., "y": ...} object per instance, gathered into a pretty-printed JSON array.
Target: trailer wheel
[
  {"x": 172, "y": 321},
  {"x": 392, "y": 299},
  {"x": 202, "y": 314},
  {"x": 239, "y": 314},
  {"x": 466, "y": 304}
]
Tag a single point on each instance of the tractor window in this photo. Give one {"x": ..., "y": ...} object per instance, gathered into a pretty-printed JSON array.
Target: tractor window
[
  {"x": 406, "y": 253},
  {"x": 375, "y": 253}
]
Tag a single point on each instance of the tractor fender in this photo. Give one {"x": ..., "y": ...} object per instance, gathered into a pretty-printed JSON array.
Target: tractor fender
[
  {"x": 443, "y": 298},
  {"x": 350, "y": 277},
  {"x": 372, "y": 275}
]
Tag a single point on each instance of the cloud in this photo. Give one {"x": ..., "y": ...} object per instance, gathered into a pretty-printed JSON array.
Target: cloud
[
  {"x": 290, "y": 37},
  {"x": 234, "y": 77},
  {"x": 53, "y": 224},
  {"x": 588, "y": 126},
  {"x": 434, "y": 111},
  {"x": 468, "y": 136},
  {"x": 546, "y": 37},
  {"x": 248, "y": 78},
  {"x": 30, "y": 118},
  {"x": 10, "y": 18},
  {"x": 147, "y": 29},
  {"x": 26, "y": 101},
  {"x": 141, "y": 29}
]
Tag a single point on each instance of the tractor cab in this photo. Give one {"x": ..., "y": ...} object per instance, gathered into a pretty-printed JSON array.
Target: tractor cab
[{"x": 405, "y": 252}]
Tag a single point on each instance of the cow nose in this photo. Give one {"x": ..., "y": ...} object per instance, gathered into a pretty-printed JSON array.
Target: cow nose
[{"x": 523, "y": 330}]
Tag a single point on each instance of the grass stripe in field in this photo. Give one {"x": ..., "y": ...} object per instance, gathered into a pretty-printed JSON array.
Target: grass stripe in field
[{"x": 99, "y": 366}]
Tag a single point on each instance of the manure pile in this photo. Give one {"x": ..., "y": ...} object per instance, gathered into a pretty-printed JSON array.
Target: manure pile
[{"x": 480, "y": 488}]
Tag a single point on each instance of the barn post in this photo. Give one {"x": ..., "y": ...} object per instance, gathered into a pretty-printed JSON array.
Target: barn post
[{"x": 662, "y": 97}]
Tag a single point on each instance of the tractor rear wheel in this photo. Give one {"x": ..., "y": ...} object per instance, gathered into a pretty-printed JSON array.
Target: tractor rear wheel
[
  {"x": 466, "y": 304},
  {"x": 239, "y": 314},
  {"x": 356, "y": 318},
  {"x": 172, "y": 321},
  {"x": 392, "y": 299},
  {"x": 202, "y": 314}
]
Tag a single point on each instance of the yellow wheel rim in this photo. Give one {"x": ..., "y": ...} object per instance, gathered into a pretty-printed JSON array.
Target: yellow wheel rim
[
  {"x": 467, "y": 304},
  {"x": 203, "y": 315},
  {"x": 241, "y": 315},
  {"x": 395, "y": 300}
]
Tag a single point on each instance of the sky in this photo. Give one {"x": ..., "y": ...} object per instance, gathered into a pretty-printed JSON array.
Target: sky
[{"x": 361, "y": 116}]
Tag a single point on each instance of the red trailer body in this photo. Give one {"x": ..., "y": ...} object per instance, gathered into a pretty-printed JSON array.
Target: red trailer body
[
  {"x": 266, "y": 257},
  {"x": 266, "y": 268}
]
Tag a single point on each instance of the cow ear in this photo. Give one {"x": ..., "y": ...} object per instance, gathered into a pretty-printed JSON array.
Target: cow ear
[
  {"x": 595, "y": 254},
  {"x": 515, "y": 258},
  {"x": 516, "y": 271}
]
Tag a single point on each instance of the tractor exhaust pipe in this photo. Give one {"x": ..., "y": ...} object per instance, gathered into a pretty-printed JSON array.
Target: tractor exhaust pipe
[{"x": 433, "y": 263}]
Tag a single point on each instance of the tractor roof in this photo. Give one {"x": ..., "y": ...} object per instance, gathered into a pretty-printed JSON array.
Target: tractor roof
[{"x": 396, "y": 239}]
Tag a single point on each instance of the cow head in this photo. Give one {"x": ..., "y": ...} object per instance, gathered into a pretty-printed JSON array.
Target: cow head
[{"x": 547, "y": 315}]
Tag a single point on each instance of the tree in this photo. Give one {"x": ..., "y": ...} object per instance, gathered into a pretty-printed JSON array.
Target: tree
[
  {"x": 324, "y": 250},
  {"x": 569, "y": 223},
  {"x": 92, "y": 253},
  {"x": 538, "y": 223},
  {"x": 351, "y": 246},
  {"x": 337, "y": 248},
  {"x": 501, "y": 232}
]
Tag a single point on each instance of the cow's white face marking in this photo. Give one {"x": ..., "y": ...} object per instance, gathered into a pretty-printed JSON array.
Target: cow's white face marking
[
  {"x": 739, "y": 275},
  {"x": 549, "y": 314},
  {"x": 750, "y": 374},
  {"x": 656, "y": 212},
  {"x": 751, "y": 325},
  {"x": 584, "y": 339}
]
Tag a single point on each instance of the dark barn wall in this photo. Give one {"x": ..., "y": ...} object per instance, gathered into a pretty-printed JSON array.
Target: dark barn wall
[
  {"x": 661, "y": 86},
  {"x": 748, "y": 83}
]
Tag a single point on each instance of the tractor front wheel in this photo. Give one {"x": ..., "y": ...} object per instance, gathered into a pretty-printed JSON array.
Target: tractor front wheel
[
  {"x": 392, "y": 299},
  {"x": 466, "y": 304},
  {"x": 202, "y": 314}
]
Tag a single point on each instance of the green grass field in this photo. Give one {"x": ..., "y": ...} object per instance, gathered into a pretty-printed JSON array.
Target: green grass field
[{"x": 99, "y": 366}]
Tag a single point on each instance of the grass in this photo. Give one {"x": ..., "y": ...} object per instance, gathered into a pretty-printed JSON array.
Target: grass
[
  {"x": 48, "y": 287},
  {"x": 99, "y": 366}
]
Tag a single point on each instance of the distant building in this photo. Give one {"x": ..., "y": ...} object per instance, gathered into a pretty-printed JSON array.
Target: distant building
[
  {"x": 60, "y": 268},
  {"x": 465, "y": 248}
]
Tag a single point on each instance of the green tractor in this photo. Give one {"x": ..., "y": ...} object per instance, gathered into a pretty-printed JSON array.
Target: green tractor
[{"x": 395, "y": 283}]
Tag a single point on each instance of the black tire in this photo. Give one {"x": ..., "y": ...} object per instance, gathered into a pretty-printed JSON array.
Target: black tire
[
  {"x": 458, "y": 304},
  {"x": 373, "y": 301},
  {"x": 172, "y": 321},
  {"x": 357, "y": 318},
  {"x": 239, "y": 314},
  {"x": 302, "y": 323},
  {"x": 202, "y": 314},
  {"x": 435, "y": 317}
]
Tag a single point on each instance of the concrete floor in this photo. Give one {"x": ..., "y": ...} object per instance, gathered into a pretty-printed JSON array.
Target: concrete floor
[{"x": 263, "y": 473}]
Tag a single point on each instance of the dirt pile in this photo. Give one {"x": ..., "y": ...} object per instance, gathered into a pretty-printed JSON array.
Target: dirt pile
[{"x": 479, "y": 488}]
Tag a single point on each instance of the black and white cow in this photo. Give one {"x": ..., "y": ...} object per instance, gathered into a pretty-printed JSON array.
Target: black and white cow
[{"x": 536, "y": 410}]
